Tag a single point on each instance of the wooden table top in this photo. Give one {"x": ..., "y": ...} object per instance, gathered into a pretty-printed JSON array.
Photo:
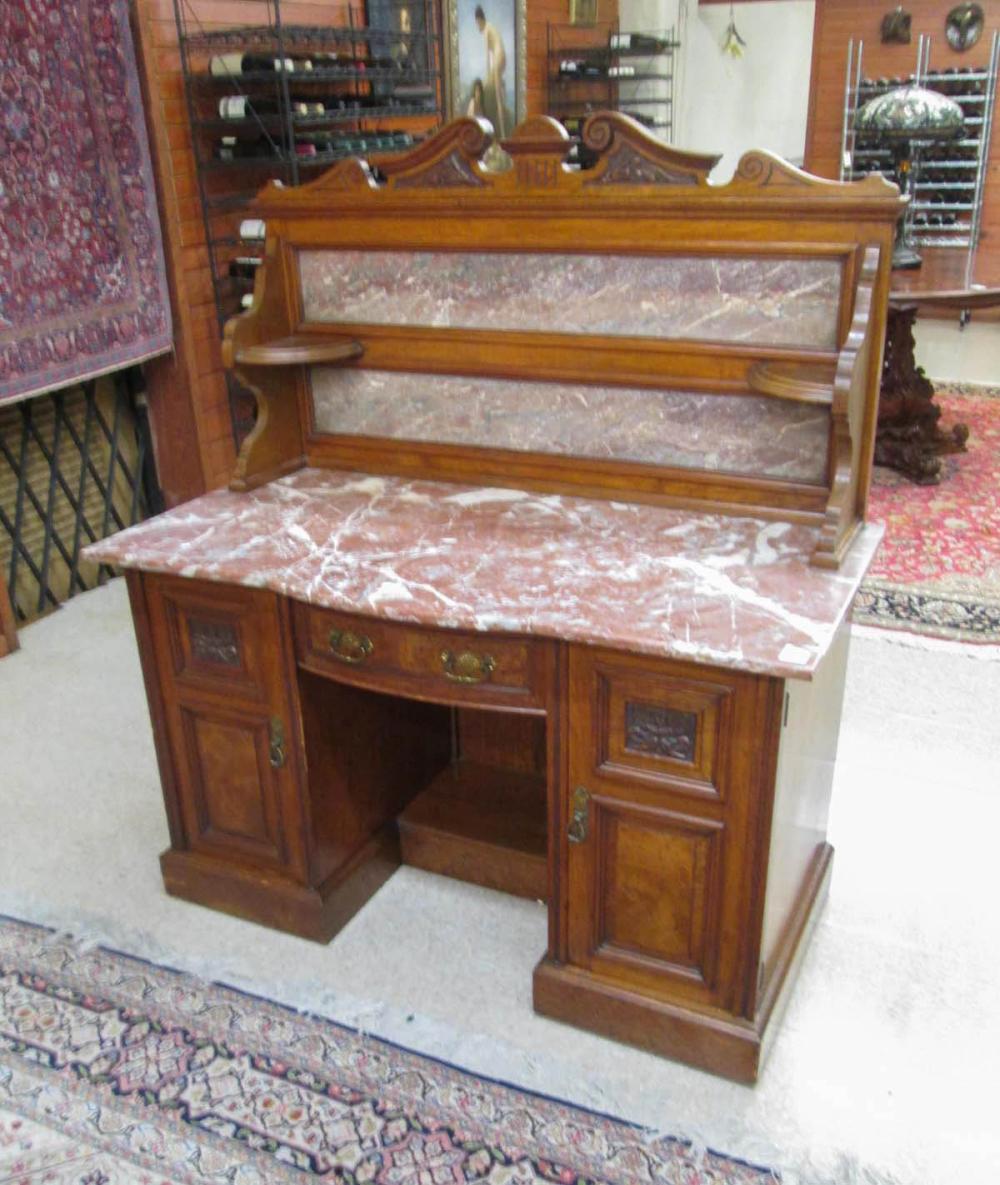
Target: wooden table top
[{"x": 948, "y": 277}]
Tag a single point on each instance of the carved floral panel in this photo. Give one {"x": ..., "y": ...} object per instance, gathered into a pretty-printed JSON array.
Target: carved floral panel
[{"x": 660, "y": 732}]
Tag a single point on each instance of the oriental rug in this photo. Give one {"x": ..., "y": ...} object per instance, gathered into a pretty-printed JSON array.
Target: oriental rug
[
  {"x": 114, "y": 1070},
  {"x": 82, "y": 282},
  {"x": 937, "y": 572}
]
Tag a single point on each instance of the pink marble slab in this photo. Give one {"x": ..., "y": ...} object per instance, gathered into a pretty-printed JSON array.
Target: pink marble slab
[
  {"x": 761, "y": 299},
  {"x": 726, "y": 591},
  {"x": 682, "y": 429}
]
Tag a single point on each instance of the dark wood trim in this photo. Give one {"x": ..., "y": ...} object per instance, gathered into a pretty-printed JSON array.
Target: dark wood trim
[
  {"x": 711, "y": 1041},
  {"x": 8, "y": 626},
  {"x": 271, "y": 900},
  {"x": 171, "y": 379},
  {"x": 151, "y": 677}
]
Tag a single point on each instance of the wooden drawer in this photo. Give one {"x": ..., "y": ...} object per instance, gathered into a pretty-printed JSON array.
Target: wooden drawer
[{"x": 447, "y": 666}]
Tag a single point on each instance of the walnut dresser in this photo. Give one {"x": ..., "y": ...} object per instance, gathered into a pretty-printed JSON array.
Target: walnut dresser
[{"x": 536, "y": 568}]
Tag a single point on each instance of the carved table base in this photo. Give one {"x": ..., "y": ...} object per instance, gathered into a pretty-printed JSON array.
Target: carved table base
[{"x": 908, "y": 438}]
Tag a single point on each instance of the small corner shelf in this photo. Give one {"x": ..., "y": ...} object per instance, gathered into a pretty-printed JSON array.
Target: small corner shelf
[
  {"x": 297, "y": 350},
  {"x": 798, "y": 382},
  {"x": 309, "y": 95}
]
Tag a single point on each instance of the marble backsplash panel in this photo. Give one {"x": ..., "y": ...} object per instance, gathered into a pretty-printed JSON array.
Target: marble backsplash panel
[
  {"x": 785, "y": 301},
  {"x": 689, "y": 430}
]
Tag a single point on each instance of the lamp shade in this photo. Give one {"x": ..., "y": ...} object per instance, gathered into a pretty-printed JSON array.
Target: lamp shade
[{"x": 911, "y": 113}]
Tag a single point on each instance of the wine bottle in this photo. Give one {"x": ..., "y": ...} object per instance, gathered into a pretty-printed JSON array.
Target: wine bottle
[
  {"x": 229, "y": 65},
  {"x": 242, "y": 107},
  {"x": 244, "y": 267},
  {"x": 621, "y": 71},
  {"x": 253, "y": 229},
  {"x": 246, "y": 300},
  {"x": 230, "y": 149},
  {"x": 640, "y": 43}
]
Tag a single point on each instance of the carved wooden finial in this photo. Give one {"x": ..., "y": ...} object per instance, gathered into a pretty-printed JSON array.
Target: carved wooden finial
[
  {"x": 632, "y": 155},
  {"x": 538, "y": 148}
]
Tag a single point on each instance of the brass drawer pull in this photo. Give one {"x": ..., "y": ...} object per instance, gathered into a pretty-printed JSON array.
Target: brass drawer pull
[
  {"x": 350, "y": 647},
  {"x": 467, "y": 667},
  {"x": 579, "y": 824}
]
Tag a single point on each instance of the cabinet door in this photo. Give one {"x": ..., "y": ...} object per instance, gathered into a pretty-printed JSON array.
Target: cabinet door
[
  {"x": 222, "y": 656},
  {"x": 662, "y": 823}
]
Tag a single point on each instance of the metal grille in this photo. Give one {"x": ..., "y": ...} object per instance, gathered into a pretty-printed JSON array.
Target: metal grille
[{"x": 75, "y": 467}]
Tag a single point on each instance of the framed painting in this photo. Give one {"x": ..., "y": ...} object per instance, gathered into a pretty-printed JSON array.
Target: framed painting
[
  {"x": 399, "y": 30},
  {"x": 583, "y": 12},
  {"x": 485, "y": 60}
]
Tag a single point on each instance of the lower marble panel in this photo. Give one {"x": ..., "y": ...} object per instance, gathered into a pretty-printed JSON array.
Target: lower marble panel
[{"x": 683, "y": 429}]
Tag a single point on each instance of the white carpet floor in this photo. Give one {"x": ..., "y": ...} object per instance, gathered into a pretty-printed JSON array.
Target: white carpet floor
[{"x": 884, "y": 1069}]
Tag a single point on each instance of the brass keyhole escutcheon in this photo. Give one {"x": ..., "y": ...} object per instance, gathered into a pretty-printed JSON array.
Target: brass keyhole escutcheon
[
  {"x": 467, "y": 667},
  {"x": 350, "y": 647},
  {"x": 579, "y": 823},
  {"x": 276, "y": 745}
]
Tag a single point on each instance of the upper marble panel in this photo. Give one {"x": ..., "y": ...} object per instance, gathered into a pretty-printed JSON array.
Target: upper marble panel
[
  {"x": 727, "y": 591},
  {"x": 679, "y": 429},
  {"x": 786, "y": 301}
]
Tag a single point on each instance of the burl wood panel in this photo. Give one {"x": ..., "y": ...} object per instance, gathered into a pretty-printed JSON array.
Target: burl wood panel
[
  {"x": 233, "y": 802},
  {"x": 739, "y": 434},
  {"x": 659, "y": 874}
]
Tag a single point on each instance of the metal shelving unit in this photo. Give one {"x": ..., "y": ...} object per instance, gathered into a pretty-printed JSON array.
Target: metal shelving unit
[
  {"x": 379, "y": 88},
  {"x": 602, "y": 67},
  {"x": 947, "y": 180}
]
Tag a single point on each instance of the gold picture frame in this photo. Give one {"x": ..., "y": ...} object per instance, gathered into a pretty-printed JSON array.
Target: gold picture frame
[
  {"x": 583, "y": 12},
  {"x": 471, "y": 51}
]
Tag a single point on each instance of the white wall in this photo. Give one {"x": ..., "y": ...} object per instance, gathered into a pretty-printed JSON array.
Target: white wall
[
  {"x": 761, "y": 100},
  {"x": 969, "y": 355}
]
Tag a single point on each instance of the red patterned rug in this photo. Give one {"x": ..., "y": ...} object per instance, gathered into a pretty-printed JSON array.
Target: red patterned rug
[
  {"x": 938, "y": 570},
  {"x": 115, "y": 1070},
  {"x": 82, "y": 283}
]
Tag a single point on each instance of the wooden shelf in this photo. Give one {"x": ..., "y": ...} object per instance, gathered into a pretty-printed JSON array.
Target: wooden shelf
[
  {"x": 798, "y": 382},
  {"x": 481, "y": 823},
  {"x": 297, "y": 349}
]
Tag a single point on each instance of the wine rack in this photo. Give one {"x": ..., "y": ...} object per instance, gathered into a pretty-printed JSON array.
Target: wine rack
[
  {"x": 602, "y": 67},
  {"x": 274, "y": 100},
  {"x": 947, "y": 179}
]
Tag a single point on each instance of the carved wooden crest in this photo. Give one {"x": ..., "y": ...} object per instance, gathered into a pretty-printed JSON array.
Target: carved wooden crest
[{"x": 464, "y": 157}]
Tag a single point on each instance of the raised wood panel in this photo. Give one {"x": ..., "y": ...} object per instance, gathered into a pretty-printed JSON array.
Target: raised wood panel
[
  {"x": 232, "y": 792},
  {"x": 665, "y": 731},
  {"x": 660, "y": 882},
  {"x": 837, "y": 21},
  {"x": 697, "y": 941}
]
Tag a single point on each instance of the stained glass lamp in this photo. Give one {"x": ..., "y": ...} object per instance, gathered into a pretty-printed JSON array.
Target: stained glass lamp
[{"x": 906, "y": 118}]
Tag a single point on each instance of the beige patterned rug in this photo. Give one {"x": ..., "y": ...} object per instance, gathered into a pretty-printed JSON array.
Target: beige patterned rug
[{"x": 114, "y": 1070}]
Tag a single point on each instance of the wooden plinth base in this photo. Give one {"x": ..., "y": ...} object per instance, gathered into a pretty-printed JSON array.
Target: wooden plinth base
[
  {"x": 273, "y": 901},
  {"x": 730, "y": 1046},
  {"x": 480, "y": 823}
]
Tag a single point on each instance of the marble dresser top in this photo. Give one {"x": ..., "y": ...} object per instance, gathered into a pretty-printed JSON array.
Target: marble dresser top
[{"x": 728, "y": 591}]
